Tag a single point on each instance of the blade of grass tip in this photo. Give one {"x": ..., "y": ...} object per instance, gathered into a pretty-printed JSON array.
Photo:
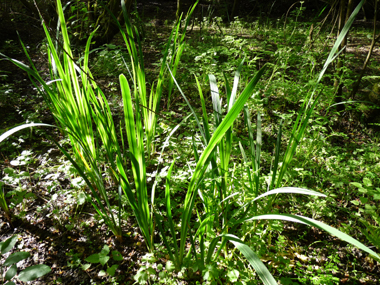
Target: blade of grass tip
[
  {"x": 174, "y": 32},
  {"x": 255, "y": 261},
  {"x": 128, "y": 113},
  {"x": 231, "y": 100},
  {"x": 188, "y": 17},
  {"x": 290, "y": 190},
  {"x": 131, "y": 34},
  {"x": 339, "y": 40}
]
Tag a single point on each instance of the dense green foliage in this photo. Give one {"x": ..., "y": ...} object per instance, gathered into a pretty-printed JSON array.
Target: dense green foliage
[{"x": 181, "y": 157}]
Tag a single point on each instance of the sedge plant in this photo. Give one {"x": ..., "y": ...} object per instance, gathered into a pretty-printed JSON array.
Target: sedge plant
[
  {"x": 72, "y": 97},
  {"x": 78, "y": 104}
]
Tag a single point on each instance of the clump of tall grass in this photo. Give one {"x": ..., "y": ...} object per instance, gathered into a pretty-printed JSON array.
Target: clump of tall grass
[{"x": 81, "y": 111}]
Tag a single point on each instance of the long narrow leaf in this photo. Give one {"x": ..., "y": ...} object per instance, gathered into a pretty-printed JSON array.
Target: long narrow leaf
[
  {"x": 317, "y": 224},
  {"x": 24, "y": 126},
  {"x": 261, "y": 270}
]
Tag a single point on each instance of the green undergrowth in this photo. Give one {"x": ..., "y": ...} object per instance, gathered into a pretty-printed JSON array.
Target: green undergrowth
[{"x": 339, "y": 156}]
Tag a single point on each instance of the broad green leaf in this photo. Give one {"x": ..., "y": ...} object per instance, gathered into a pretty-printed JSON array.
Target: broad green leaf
[
  {"x": 149, "y": 257},
  {"x": 103, "y": 259},
  {"x": 11, "y": 272},
  {"x": 356, "y": 184},
  {"x": 169, "y": 266},
  {"x": 210, "y": 272},
  {"x": 102, "y": 273},
  {"x": 81, "y": 198},
  {"x": 111, "y": 270},
  {"x": 93, "y": 258},
  {"x": 233, "y": 275},
  {"x": 16, "y": 257},
  {"x": 10, "y": 283},
  {"x": 355, "y": 202},
  {"x": 105, "y": 250},
  {"x": 151, "y": 271},
  {"x": 117, "y": 255},
  {"x": 317, "y": 224},
  {"x": 8, "y": 244},
  {"x": 86, "y": 266},
  {"x": 141, "y": 277},
  {"x": 34, "y": 272}
]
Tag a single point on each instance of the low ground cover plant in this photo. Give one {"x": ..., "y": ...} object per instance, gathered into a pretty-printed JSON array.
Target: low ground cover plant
[{"x": 28, "y": 274}]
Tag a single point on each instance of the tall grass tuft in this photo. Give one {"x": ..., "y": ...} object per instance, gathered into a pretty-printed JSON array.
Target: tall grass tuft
[{"x": 82, "y": 112}]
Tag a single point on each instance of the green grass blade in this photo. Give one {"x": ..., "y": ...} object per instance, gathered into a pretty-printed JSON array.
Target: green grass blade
[
  {"x": 204, "y": 112},
  {"x": 290, "y": 190},
  {"x": 24, "y": 126},
  {"x": 258, "y": 153},
  {"x": 215, "y": 99},
  {"x": 245, "y": 160},
  {"x": 252, "y": 151},
  {"x": 276, "y": 156},
  {"x": 261, "y": 270},
  {"x": 319, "y": 225},
  {"x": 169, "y": 211},
  {"x": 232, "y": 99}
]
